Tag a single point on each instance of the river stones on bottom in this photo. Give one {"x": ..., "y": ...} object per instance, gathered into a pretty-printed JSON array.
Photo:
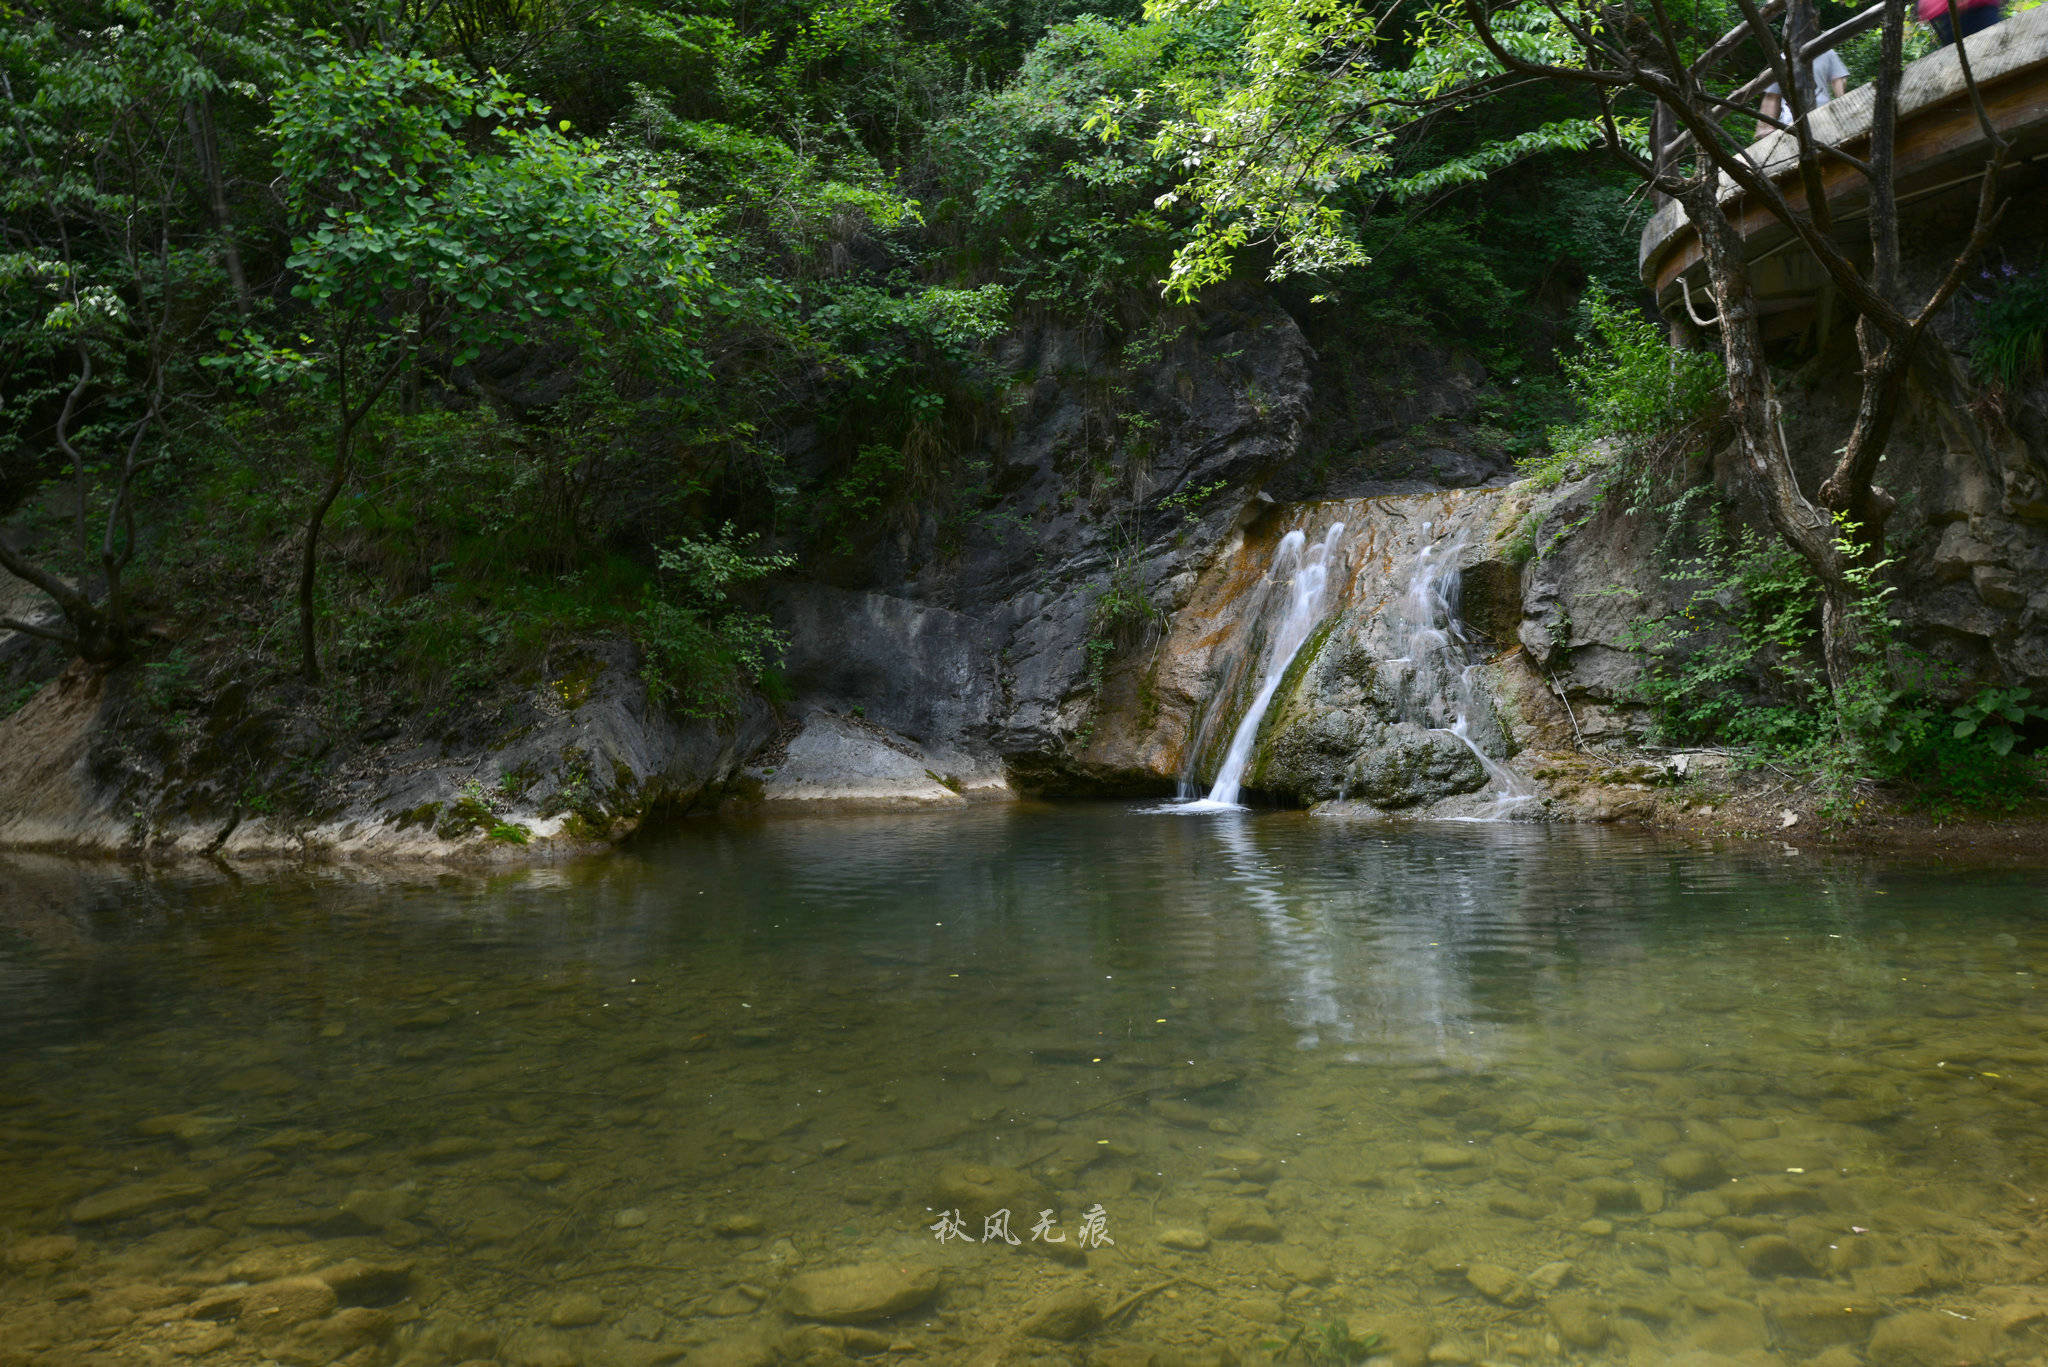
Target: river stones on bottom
[
  {"x": 1407, "y": 1342},
  {"x": 1497, "y": 1283},
  {"x": 381, "y": 1207},
  {"x": 575, "y": 1310},
  {"x": 193, "y": 1340},
  {"x": 1692, "y": 1168},
  {"x": 1065, "y": 1315},
  {"x": 363, "y": 1281},
  {"x": 347, "y": 1330},
  {"x": 537, "y": 1348},
  {"x": 1249, "y": 1221},
  {"x": 44, "y": 1249},
  {"x": 978, "y": 1190},
  {"x": 1179, "y": 1113},
  {"x": 859, "y": 1292},
  {"x": 1922, "y": 1338},
  {"x": 136, "y": 1198},
  {"x": 1300, "y": 1265},
  {"x": 1814, "y": 1320},
  {"x": 1516, "y": 1204},
  {"x": 1773, "y": 1255},
  {"x": 1579, "y": 1321},
  {"x": 274, "y": 1306}
]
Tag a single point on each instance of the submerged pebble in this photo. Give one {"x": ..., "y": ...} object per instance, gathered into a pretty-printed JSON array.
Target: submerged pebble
[{"x": 859, "y": 1293}]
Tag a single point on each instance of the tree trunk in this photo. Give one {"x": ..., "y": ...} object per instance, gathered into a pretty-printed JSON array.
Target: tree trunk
[
  {"x": 81, "y": 482},
  {"x": 96, "y": 640},
  {"x": 206, "y": 145},
  {"x": 309, "y": 557},
  {"x": 115, "y": 558},
  {"x": 1754, "y": 410},
  {"x": 91, "y": 636},
  {"x": 349, "y": 415}
]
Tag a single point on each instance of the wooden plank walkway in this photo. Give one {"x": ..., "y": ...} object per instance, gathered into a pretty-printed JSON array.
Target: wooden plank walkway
[{"x": 1940, "y": 149}]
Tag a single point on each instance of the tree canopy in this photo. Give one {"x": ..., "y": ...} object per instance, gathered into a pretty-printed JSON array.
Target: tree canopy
[{"x": 555, "y": 286}]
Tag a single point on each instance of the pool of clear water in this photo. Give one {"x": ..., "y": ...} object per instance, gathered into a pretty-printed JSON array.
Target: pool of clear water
[{"x": 1281, "y": 1088}]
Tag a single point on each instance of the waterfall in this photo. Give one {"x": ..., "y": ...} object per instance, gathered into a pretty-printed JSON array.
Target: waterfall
[
  {"x": 1442, "y": 690},
  {"x": 1306, "y": 570}
]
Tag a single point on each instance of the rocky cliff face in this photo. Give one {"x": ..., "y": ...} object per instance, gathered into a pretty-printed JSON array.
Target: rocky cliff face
[
  {"x": 1388, "y": 708},
  {"x": 1970, "y": 539},
  {"x": 1007, "y": 663},
  {"x": 1555, "y": 584},
  {"x": 1095, "y": 624},
  {"x": 980, "y": 662},
  {"x": 579, "y": 762}
]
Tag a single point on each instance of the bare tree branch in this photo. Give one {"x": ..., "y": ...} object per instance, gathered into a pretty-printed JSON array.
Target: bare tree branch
[
  {"x": 1482, "y": 28},
  {"x": 42, "y": 633}
]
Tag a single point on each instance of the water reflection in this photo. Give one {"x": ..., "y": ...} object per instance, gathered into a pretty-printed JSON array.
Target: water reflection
[{"x": 687, "y": 1075}]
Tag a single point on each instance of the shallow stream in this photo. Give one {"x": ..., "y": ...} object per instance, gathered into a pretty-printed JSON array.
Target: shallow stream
[{"x": 1451, "y": 1093}]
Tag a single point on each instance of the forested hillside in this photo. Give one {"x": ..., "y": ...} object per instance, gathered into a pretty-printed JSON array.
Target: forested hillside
[
  {"x": 370, "y": 366},
  {"x": 399, "y": 340}
]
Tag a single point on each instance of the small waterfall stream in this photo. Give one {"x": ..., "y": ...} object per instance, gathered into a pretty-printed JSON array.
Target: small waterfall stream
[
  {"x": 1441, "y": 688},
  {"x": 1306, "y": 570},
  {"x": 1388, "y": 725}
]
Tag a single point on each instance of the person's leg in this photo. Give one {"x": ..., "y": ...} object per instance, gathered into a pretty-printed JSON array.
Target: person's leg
[
  {"x": 1944, "y": 34},
  {"x": 1981, "y": 18}
]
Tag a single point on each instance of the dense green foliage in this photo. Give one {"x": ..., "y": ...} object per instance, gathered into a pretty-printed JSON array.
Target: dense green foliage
[
  {"x": 1316, "y": 115},
  {"x": 418, "y": 340},
  {"x": 1737, "y": 665},
  {"x": 1734, "y": 664},
  {"x": 1967, "y": 755},
  {"x": 1639, "y": 396},
  {"x": 2011, "y": 318},
  {"x": 698, "y": 649}
]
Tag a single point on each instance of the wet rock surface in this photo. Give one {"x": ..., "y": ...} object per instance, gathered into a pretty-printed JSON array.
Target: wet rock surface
[
  {"x": 1385, "y": 707},
  {"x": 850, "y": 762},
  {"x": 1065, "y": 1315},
  {"x": 860, "y": 1293}
]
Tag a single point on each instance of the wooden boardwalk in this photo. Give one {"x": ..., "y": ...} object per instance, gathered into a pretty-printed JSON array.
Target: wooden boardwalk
[{"x": 1941, "y": 150}]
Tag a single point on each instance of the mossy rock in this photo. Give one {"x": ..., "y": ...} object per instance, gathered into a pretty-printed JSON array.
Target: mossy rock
[
  {"x": 572, "y": 687},
  {"x": 422, "y": 815},
  {"x": 1490, "y": 601},
  {"x": 464, "y": 817}
]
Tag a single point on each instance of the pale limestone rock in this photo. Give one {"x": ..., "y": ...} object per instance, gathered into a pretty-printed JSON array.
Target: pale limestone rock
[{"x": 860, "y": 1292}]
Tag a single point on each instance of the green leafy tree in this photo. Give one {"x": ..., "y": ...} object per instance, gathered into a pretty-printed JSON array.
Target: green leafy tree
[
  {"x": 1313, "y": 111},
  {"x": 1036, "y": 195},
  {"x": 1307, "y": 107},
  {"x": 699, "y": 646},
  {"x": 110, "y": 277},
  {"x": 437, "y": 214},
  {"x": 1634, "y": 388}
]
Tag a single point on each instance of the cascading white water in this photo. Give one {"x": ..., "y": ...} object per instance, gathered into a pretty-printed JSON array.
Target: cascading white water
[
  {"x": 1307, "y": 599},
  {"x": 1433, "y": 645}
]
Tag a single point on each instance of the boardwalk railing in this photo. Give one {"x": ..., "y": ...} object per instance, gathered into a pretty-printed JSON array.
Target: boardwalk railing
[
  {"x": 1800, "y": 37},
  {"x": 1946, "y": 123}
]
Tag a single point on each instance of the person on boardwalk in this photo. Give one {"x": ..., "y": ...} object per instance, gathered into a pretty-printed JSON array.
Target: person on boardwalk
[
  {"x": 1947, "y": 17},
  {"x": 1830, "y": 82}
]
